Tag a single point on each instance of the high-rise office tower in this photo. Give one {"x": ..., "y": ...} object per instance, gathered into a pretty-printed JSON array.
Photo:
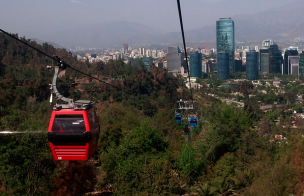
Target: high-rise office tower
[
  {"x": 238, "y": 65},
  {"x": 294, "y": 65},
  {"x": 209, "y": 66},
  {"x": 223, "y": 65},
  {"x": 196, "y": 65},
  {"x": 225, "y": 39},
  {"x": 252, "y": 66},
  {"x": 301, "y": 64},
  {"x": 275, "y": 59},
  {"x": 204, "y": 67},
  {"x": 271, "y": 59},
  {"x": 287, "y": 65},
  {"x": 174, "y": 58},
  {"x": 264, "y": 56},
  {"x": 264, "y": 60}
]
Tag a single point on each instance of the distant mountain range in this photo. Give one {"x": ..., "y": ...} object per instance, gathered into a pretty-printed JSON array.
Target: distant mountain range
[
  {"x": 103, "y": 35},
  {"x": 285, "y": 22},
  {"x": 55, "y": 45},
  {"x": 280, "y": 23}
]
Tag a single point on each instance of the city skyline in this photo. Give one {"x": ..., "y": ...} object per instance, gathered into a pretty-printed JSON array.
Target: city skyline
[{"x": 246, "y": 58}]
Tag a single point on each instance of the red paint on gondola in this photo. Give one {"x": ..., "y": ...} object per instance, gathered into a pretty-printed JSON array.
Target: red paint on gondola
[{"x": 73, "y": 134}]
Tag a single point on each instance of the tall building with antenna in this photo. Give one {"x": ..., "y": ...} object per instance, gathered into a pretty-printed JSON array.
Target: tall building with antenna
[
  {"x": 271, "y": 59},
  {"x": 225, "y": 41},
  {"x": 264, "y": 56}
]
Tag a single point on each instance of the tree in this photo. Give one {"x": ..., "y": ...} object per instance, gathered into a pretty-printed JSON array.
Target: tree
[
  {"x": 228, "y": 125},
  {"x": 75, "y": 178},
  {"x": 245, "y": 88},
  {"x": 140, "y": 164},
  {"x": 149, "y": 109},
  {"x": 26, "y": 164},
  {"x": 188, "y": 165}
]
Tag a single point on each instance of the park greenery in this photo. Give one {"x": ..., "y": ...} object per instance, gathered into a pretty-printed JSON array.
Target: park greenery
[{"x": 141, "y": 149}]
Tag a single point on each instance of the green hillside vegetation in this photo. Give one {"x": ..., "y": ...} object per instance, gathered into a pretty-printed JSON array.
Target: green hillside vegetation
[{"x": 141, "y": 150}]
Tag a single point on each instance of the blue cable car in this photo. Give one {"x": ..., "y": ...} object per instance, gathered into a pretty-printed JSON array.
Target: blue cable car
[
  {"x": 193, "y": 121},
  {"x": 178, "y": 118}
]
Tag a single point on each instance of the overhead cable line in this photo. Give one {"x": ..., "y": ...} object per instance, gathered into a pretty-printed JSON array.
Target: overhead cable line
[
  {"x": 183, "y": 35},
  {"x": 64, "y": 64}
]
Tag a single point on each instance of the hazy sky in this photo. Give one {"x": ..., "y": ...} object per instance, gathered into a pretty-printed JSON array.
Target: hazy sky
[{"x": 37, "y": 18}]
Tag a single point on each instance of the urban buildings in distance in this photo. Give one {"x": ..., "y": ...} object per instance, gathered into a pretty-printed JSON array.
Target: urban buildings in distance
[{"x": 223, "y": 60}]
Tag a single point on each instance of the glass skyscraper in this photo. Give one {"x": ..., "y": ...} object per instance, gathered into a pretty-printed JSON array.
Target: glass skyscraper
[
  {"x": 225, "y": 39},
  {"x": 275, "y": 59},
  {"x": 271, "y": 59},
  {"x": 264, "y": 60},
  {"x": 252, "y": 70},
  {"x": 301, "y": 64},
  {"x": 223, "y": 65},
  {"x": 238, "y": 65},
  {"x": 196, "y": 65}
]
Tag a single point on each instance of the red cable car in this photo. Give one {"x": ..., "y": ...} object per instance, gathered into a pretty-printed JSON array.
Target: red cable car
[
  {"x": 74, "y": 128},
  {"x": 73, "y": 133}
]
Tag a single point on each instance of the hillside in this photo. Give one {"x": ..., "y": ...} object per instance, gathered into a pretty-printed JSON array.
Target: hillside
[{"x": 141, "y": 149}]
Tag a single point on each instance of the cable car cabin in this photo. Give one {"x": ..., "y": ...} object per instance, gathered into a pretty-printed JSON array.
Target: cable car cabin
[
  {"x": 178, "y": 118},
  {"x": 193, "y": 121},
  {"x": 73, "y": 134}
]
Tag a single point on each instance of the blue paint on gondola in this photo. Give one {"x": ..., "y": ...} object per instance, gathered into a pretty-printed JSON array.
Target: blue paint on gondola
[
  {"x": 193, "y": 121},
  {"x": 178, "y": 118}
]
